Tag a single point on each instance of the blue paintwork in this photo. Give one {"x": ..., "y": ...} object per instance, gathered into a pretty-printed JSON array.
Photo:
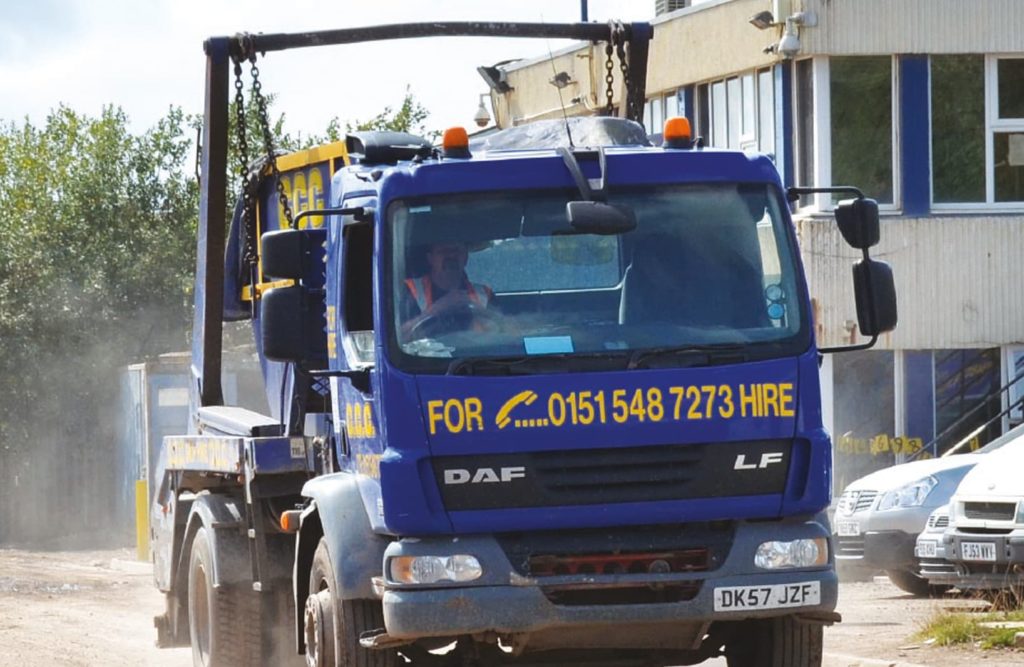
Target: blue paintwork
[
  {"x": 399, "y": 477},
  {"x": 915, "y": 134}
]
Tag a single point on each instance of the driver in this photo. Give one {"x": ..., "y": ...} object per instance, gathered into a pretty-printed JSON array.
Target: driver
[{"x": 445, "y": 294}]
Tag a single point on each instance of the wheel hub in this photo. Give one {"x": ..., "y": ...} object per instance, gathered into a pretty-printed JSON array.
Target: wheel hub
[{"x": 319, "y": 630}]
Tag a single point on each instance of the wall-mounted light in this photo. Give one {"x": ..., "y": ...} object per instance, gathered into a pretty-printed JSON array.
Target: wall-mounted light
[
  {"x": 482, "y": 116},
  {"x": 561, "y": 80},
  {"x": 762, "y": 20}
]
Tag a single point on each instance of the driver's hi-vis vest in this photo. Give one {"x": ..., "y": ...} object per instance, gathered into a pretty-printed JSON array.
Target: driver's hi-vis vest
[{"x": 422, "y": 290}]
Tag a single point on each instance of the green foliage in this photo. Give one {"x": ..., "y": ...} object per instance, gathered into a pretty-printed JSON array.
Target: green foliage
[
  {"x": 948, "y": 628},
  {"x": 97, "y": 256},
  {"x": 411, "y": 116}
]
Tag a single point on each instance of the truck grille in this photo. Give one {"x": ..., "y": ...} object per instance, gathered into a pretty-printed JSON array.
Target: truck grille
[
  {"x": 990, "y": 511},
  {"x": 614, "y": 475},
  {"x": 622, "y": 595},
  {"x": 940, "y": 521}
]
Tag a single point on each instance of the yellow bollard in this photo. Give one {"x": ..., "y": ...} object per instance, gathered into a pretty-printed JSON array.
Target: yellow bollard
[{"x": 142, "y": 519}]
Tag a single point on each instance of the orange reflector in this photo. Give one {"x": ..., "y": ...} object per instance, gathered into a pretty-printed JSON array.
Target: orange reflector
[
  {"x": 290, "y": 520},
  {"x": 455, "y": 139},
  {"x": 676, "y": 133}
]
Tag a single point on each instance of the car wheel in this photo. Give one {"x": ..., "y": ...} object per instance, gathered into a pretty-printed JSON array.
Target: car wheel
[{"x": 915, "y": 584}]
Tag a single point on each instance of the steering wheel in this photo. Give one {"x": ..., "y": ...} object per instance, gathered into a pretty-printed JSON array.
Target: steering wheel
[{"x": 433, "y": 322}]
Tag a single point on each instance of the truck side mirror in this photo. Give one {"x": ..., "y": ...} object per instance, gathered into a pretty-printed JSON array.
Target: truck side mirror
[
  {"x": 292, "y": 325},
  {"x": 875, "y": 293},
  {"x": 286, "y": 253},
  {"x": 858, "y": 222}
]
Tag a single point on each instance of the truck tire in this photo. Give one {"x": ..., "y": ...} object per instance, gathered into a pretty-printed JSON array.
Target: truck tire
[
  {"x": 223, "y": 622},
  {"x": 332, "y": 626},
  {"x": 776, "y": 642},
  {"x": 915, "y": 584}
]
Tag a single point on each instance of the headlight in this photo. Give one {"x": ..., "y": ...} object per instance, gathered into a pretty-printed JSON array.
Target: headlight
[
  {"x": 432, "y": 569},
  {"x": 1020, "y": 512},
  {"x": 798, "y": 553},
  {"x": 909, "y": 495}
]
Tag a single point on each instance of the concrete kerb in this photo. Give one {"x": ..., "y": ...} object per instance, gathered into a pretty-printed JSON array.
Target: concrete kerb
[{"x": 844, "y": 660}]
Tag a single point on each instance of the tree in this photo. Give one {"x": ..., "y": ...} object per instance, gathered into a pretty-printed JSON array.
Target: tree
[
  {"x": 97, "y": 229},
  {"x": 411, "y": 116}
]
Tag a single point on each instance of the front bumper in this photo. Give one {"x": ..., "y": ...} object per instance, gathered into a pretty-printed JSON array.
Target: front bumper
[
  {"x": 1007, "y": 568},
  {"x": 885, "y": 540},
  {"x": 508, "y": 603}
]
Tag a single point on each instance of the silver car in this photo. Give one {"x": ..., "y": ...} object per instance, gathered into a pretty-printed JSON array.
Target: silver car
[{"x": 879, "y": 516}]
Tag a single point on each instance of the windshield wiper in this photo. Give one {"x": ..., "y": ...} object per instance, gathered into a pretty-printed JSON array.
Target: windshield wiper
[
  {"x": 689, "y": 355},
  {"x": 564, "y": 362}
]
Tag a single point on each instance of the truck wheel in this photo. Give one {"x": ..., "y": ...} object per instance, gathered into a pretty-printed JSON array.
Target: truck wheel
[
  {"x": 915, "y": 584},
  {"x": 775, "y": 642},
  {"x": 223, "y": 622},
  {"x": 333, "y": 626}
]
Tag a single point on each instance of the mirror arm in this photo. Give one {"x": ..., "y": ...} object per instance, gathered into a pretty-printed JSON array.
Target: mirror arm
[
  {"x": 849, "y": 348},
  {"x": 793, "y": 194},
  {"x": 360, "y": 213},
  {"x": 577, "y": 173}
]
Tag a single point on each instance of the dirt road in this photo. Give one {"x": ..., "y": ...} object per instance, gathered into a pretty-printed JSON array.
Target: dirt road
[{"x": 87, "y": 608}]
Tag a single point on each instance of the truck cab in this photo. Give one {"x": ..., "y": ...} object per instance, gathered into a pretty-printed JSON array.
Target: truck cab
[{"x": 572, "y": 392}]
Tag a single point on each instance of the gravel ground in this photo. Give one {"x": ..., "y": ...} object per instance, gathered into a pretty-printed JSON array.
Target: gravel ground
[{"x": 87, "y": 608}]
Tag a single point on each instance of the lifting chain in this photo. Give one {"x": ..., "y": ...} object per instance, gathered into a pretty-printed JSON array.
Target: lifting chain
[
  {"x": 248, "y": 183},
  {"x": 615, "y": 46},
  {"x": 630, "y": 98},
  {"x": 268, "y": 140}
]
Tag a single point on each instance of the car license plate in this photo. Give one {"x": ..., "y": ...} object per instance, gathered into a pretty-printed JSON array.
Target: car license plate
[
  {"x": 848, "y": 528},
  {"x": 927, "y": 549},
  {"x": 985, "y": 551},
  {"x": 777, "y": 596}
]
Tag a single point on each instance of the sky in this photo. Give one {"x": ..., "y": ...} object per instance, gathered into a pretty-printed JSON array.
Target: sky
[{"x": 146, "y": 55}]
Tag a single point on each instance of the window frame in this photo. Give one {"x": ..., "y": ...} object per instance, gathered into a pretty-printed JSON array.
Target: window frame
[
  {"x": 821, "y": 74},
  {"x": 993, "y": 125}
]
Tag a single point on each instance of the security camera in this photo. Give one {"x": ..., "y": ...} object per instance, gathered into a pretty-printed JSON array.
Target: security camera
[{"x": 789, "y": 45}]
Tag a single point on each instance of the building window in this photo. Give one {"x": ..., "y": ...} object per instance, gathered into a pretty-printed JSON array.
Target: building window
[
  {"x": 740, "y": 111},
  {"x": 977, "y": 129},
  {"x": 1008, "y": 131},
  {"x": 659, "y": 109},
  {"x": 703, "y": 112},
  {"x": 864, "y": 414},
  {"x": 861, "y": 100},
  {"x": 766, "y": 111},
  {"x": 958, "y": 128},
  {"x": 803, "y": 76}
]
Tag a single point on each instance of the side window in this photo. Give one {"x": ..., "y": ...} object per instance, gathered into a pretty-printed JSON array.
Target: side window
[{"x": 358, "y": 294}]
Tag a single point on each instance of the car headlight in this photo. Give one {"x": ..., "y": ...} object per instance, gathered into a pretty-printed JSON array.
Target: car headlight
[
  {"x": 908, "y": 495},
  {"x": 1020, "y": 512}
]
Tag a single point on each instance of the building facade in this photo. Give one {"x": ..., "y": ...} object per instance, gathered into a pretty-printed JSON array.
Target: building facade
[{"x": 918, "y": 102}]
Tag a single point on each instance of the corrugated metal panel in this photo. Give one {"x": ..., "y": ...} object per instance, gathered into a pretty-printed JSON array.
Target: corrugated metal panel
[
  {"x": 914, "y": 26},
  {"x": 959, "y": 280}
]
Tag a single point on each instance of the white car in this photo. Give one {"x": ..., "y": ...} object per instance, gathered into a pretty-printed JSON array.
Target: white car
[
  {"x": 879, "y": 516},
  {"x": 930, "y": 551},
  {"x": 985, "y": 540}
]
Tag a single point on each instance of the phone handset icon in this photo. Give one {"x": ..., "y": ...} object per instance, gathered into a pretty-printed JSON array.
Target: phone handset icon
[{"x": 524, "y": 397}]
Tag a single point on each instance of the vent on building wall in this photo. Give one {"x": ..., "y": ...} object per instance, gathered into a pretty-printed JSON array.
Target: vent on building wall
[{"x": 666, "y": 6}]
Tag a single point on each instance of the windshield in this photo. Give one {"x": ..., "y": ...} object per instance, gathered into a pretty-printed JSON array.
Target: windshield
[{"x": 706, "y": 276}]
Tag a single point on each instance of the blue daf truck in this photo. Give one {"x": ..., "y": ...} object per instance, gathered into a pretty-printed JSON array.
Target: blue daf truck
[{"x": 549, "y": 398}]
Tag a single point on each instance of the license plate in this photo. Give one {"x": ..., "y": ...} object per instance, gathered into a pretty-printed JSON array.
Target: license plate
[
  {"x": 927, "y": 549},
  {"x": 777, "y": 596},
  {"x": 985, "y": 551},
  {"x": 848, "y": 528}
]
